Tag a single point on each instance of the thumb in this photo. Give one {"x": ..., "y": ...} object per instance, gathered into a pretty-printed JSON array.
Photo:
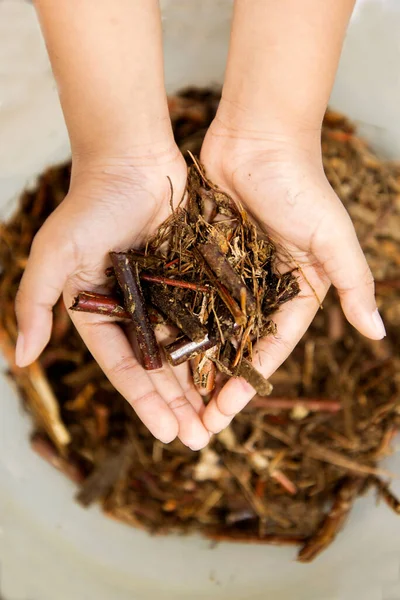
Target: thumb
[
  {"x": 336, "y": 247},
  {"x": 40, "y": 288}
]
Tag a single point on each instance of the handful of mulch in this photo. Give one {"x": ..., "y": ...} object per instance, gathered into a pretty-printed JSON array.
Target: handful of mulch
[
  {"x": 211, "y": 273},
  {"x": 290, "y": 466}
]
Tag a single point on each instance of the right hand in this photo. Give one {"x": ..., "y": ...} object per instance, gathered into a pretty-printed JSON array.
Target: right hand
[{"x": 114, "y": 203}]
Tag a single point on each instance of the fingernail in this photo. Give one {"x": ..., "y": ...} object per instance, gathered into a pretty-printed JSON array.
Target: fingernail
[
  {"x": 19, "y": 350},
  {"x": 247, "y": 388},
  {"x": 378, "y": 324},
  {"x": 165, "y": 440},
  {"x": 194, "y": 449}
]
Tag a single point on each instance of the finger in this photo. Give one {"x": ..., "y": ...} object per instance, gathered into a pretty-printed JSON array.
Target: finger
[
  {"x": 214, "y": 419},
  {"x": 184, "y": 376},
  {"x": 165, "y": 335},
  {"x": 292, "y": 322},
  {"x": 40, "y": 288},
  {"x": 111, "y": 349},
  {"x": 192, "y": 432},
  {"x": 340, "y": 254}
]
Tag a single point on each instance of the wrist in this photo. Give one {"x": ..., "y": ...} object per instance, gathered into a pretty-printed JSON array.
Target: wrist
[
  {"x": 147, "y": 167},
  {"x": 242, "y": 122},
  {"x": 126, "y": 153},
  {"x": 229, "y": 142},
  {"x": 150, "y": 141}
]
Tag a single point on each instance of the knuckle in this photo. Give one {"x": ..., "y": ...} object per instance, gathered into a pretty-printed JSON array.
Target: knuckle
[
  {"x": 45, "y": 241},
  {"x": 274, "y": 343},
  {"x": 345, "y": 224},
  {"x": 320, "y": 272},
  {"x": 224, "y": 406},
  {"x": 330, "y": 232},
  {"x": 39, "y": 241},
  {"x": 20, "y": 299},
  {"x": 369, "y": 278},
  {"x": 127, "y": 365},
  {"x": 178, "y": 403},
  {"x": 189, "y": 388},
  {"x": 147, "y": 398},
  {"x": 359, "y": 281},
  {"x": 54, "y": 241}
]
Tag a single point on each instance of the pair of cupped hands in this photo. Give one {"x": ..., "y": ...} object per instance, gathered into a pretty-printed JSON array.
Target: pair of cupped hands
[{"x": 117, "y": 202}]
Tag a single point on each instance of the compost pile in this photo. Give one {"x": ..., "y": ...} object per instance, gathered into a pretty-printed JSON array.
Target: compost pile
[{"x": 290, "y": 466}]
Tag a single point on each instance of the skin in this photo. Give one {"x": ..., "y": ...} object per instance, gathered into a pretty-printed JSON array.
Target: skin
[{"x": 263, "y": 148}]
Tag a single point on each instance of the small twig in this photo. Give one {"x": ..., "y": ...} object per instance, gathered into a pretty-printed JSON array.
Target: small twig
[
  {"x": 78, "y": 378},
  {"x": 105, "y": 475},
  {"x": 383, "y": 410},
  {"x": 204, "y": 371},
  {"x": 81, "y": 401},
  {"x": 171, "y": 197},
  {"x": 258, "y": 506},
  {"x": 385, "y": 493},
  {"x": 179, "y": 283},
  {"x": 282, "y": 403},
  {"x": 128, "y": 279},
  {"x": 211, "y": 501},
  {"x": 178, "y": 313},
  {"x": 102, "y": 415},
  {"x": 99, "y": 304},
  {"x": 146, "y": 261},
  {"x": 261, "y": 385},
  {"x": 284, "y": 481},
  {"x": 171, "y": 263},
  {"x": 184, "y": 349},
  {"x": 227, "y": 275},
  {"x": 188, "y": 285},
  {"x": 230, "y": 303},
  {"x": 308, "y": 367},
  {"x": 308, "y": 282},
  {"x": 230, "y": 535},
  {"x": 39, "y": 393},
  {"x": 243, "y": 342},
  {"x": 387, "y": 285},
  {"x": 341, "y": 439},
  {"x": 276, "y": 433},
  {"x": 334, "y": 520},
  {"x": 46, "y": 450},
  {"x": 335, "y": 458},
  {"x": 383, "y": 449}
]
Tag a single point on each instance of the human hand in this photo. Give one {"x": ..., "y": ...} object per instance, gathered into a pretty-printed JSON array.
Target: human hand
[
  {"x": 113, "y": 204},
  {"x": 279, "y": 179}
]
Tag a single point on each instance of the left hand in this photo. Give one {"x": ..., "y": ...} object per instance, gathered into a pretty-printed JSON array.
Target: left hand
[{"x": 280, "y": 180}]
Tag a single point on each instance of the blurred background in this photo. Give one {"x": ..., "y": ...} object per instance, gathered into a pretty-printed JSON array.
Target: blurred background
[{"x": 49, "y": 548}]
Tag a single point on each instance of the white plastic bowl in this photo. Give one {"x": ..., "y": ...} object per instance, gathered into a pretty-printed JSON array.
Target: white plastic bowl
[{"x": 50, "y": 548}]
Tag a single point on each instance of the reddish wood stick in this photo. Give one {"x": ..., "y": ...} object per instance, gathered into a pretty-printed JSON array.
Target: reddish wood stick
[
  {"x": 188, "y": 285},
  {"x": 99, "y": 304},
  {"x": 127, "y": 275}
]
